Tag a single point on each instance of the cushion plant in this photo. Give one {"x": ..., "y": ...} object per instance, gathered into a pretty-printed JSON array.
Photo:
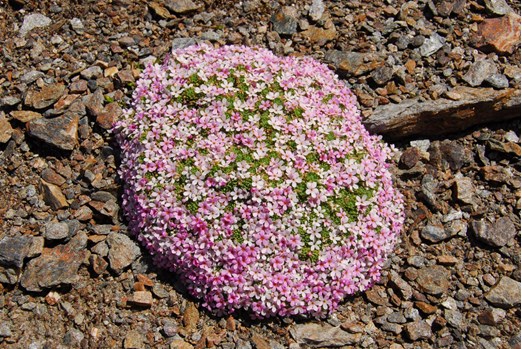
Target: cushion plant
[{"x": 252, "y": 178}]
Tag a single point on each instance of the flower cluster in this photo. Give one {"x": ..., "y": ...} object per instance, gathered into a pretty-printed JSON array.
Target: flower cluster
[{"x": 252, "y": 177}]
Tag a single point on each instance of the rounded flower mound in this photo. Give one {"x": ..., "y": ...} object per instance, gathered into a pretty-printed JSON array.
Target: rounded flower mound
[{"x": 252, "y": 177}]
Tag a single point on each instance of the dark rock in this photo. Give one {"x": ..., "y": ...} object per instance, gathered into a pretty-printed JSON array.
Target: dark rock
[
  {"x": 501, "y": 35},
  {"x": 56, "y": 266},
  {"x": 60, "y": 132},
  {"x": 435, "y": 233},
  {"x": 505, "y": 294},
  {"x": 434, "y": 280},
  {"x": 45, "y": 97},
  {"x": 285, "y": 20},
  {"x": 122, "y": 251},
  {"x": 497, "y": 234},
  {"x": 13, "y": 250},
  {"x": 382, "y": 75},
  {"x": 410, "y": 157},
  {"x": 491, "y": 316},
  {"x": 98, "y": 264}
]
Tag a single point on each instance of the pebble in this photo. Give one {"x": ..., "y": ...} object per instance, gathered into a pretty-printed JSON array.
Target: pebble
[
  {"x": 134, "y": 340},
  {"x": 32, "y": 21},
  {"x": 431, "y": 45},
  {"x": 284, "y": 21},
  {"x": 191, "y": 317},
  {"x": 464, "y": 190},
  {"x": 56, "y": 231},
  {"x": 418, "y": 330},
  {"x": 142, "y": 299},
  {"x": 322, "y": 335},
  {"x": 498, "y": 81},
  {"x": 25, "y": 115},
  {"x": 47, "y": 96},
  {"x": 5, "y": 130},
  {"x": 480, "y": 71},
  {"x": 122, "y": 251},
  {"x": 435, "y": 233},
  {"x": 501, "y": 35},
  {"x": 434, "y": 280},
  {"x": 181, "y": 6},
  {"x": 77, "y": 25}
]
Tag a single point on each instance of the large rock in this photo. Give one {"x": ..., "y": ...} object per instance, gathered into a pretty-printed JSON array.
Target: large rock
[
  {"x": 181, "y": 6},
  {"x": 434, "y": 280},
  {"x": 60, "y": 132},
  {"x": 122, "y": 251},
  {"x": 480, "y": 71},
  {"x": 32, "y": 21},
  {"x": 56, "y": 266},
  {"x": 45, "y": 97},
  {"x": 323, "y": 335},
  {"x": 443, "y": 116},
  {"x": 505, "y": 294},
  {"x": 501, "y": 35},
  {"x": 353, "y": 63},
  {"x": 418, "y": 330},
  {"x": 495, "y": 234}
]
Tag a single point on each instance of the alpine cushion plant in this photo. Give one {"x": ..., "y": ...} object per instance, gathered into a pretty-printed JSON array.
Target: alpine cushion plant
[{"x": 251, "y": 177}]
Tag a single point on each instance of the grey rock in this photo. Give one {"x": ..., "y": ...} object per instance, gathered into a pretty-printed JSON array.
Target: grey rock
[
  {"x": 77, "y": 25},
  {"x": 498, "y": 81},
  {"x": 180, "y": 43},
  {"x": 480, "y": 71},
  {"x": 56, "y": 231},
  {"x": 396, "y": 318},
  {"x": 352, "y": 63},
  {"x": 382, "y": 75},
  {"x": 435, "y": 233},
  {"x": 323, "y": 335},
  {"x": 170, "y": 328},
  {"x": 316, "y": 10},
  {"x": 91, "y": 72},
  {"x": 489, "y": 331},
  {"x": 5, "y": 329},
  {"x": 122, "y": 251},
  {"x": 94, "y": 102},
  {"x": 391, "y": 327},
  {"x": 497, "y": 234},
  {"x": 101, "y": 249},
  {"x": 454, "y": 318},
  {"x": 159, "y": 291},
  {"x": 60, "y": 132},
  {"x": 32, "y": 21},
  {"x": 434, "y": 280},
  {"x": 211, "y": 35},
  {"x": 9, "y": 101},
  {"x": 498, "y": 7},
  {"x": 418, "y": 330},
  {"x": 456, "y": 227},
  {"x": 284, "y": 21},
  {"x": 30, "y": 77},
  {"x": 45, "y": 97},
  {"x": 73, "y": 337},
  {"x": 432, "y": 45},
  {"x": 134, "y": 340},
  {"x": 491, "y": 316},
  {"x": 505, "y": 294},
  {"x": 181, "y": 6},
  {"x": 413, "y": 117},
  {"x": 13, "y": 250},
  {"x": 464, "y": 190},
  {"x": 400, "y": 286}
]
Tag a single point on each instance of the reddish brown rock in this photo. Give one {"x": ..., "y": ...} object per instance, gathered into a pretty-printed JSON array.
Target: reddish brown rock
[
  {"x": 109, "y": 116},
  {"x": 45, "y": 97},
  {"x": 141, "y": 299},
  {"x": 53, "y": 196},
  {"x": 501, "y": 35},
  {"x": 25, "y": 115},
  {"x": 60, "y": 132},
  {"x": 5, "y": 130}
]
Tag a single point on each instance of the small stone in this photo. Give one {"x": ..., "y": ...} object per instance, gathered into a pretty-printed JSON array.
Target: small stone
[
  {"x": 480, "y": 71},
  {"x": 5, "y": 130},
  {"x": 260, "y": 342},
  {"x": 410, "y": 157},
  {"x": 9, "y": 101},
  {"x": 109, "y": 116},
  {"x": 5, "y": 329},
  {"x": 56, "y": 266},
  {"x": 498, "y": 81},
  {"x": 79, "y": 86},
  {"x": 134, "y": 340},
  {"x": 317, "y": 335},
  {"x": 60, "y": 132},
  {"x": 447, "y": 260},
  {"x": 77, "y": 25},
  {"x": 491, "y": 316},
  {"x": 30, "y": 77},
  {"x": 160, "y": 10},
  {"x": 316, "y": 10},
  {"x": 382, "y": 75},
  {"x": 396, "y": 318},
  {"x": 498, "y": 7},
  {"x": 501, "y": 35},
  {"x": 25, "y": 115},
  {"x": 159, "y": 291},
  {"x": 170, "y": 328},
  {"x": 320, "y": 35},
  {"x": 464, "y": 190},
  {"x": 391, "y": 327},
  {"x": 53, "y": 195},
  {"x": 400, "y": 285},
  {"x": 142, "y": 299},
  {"x": 497, "y": 234},
  {"x": 418, "y": 330},
  {"x": 432, "y": 45},
  {"x": 352, "y": 63},
  {"x": 98, "y": 264},
  {"x": 505, "y": 294},
  {"x": 122, "y": 251},
  {"x": 91, "y": 72},
  {"x": 434, "y": 280},
  {"x": 13, "y": 250},
  {"x": 284, "y": 20},
  {"x": 32, "y": 21},
  {"x": 56, "y": 231},
  {"x": 191, "y": 317},
  {"x": 73, "y": 338},
  {"x": 181, "y": 6},
  {"x": 46, "y": 97},
  {"x": 453, "y": 317},
  {"x": 180, "y": 43},
  {"x": 94, "y": 102}
]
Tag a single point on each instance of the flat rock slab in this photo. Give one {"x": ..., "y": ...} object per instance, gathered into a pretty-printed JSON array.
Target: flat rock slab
[
  {"x": 443, "y": 116},
  {"x": 495, "y": 234},
  {"x": 60, "y": 132},
  {"x": 505, "y": 294},
  {"x": 434, "y": 280},
  {"x": 56, "y": 266},
  {"x": 323, "y": 335}
]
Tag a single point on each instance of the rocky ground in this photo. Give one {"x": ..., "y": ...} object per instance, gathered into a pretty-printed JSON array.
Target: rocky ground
[{"x": 71, "y": 277}]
